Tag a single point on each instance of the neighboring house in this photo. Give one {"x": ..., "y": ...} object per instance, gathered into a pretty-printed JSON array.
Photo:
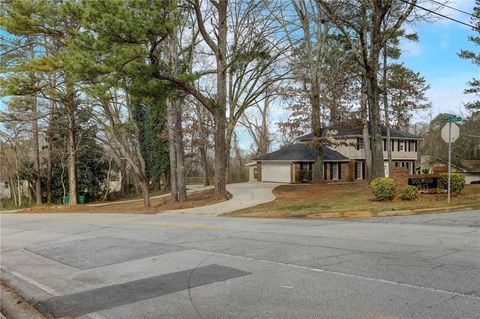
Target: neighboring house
[
  {"x": 468, "y": 168},
  {"x": 343, "y": 161},
  {"x": 4, "y": 189}
]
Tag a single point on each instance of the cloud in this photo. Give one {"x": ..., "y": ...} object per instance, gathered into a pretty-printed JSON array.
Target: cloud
[
  {"x": 411, "y": 48},
  {"x": 462, "y": 5},
  {"x": 446, "y": 95}
]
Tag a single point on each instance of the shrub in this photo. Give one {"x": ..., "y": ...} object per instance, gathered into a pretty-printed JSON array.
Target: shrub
[
  {"x": 304, "y": 176},
  {"x": 409, "y": 193},
  {"x": 457, "y": 182},
  {"x": 383, "y": 188}
]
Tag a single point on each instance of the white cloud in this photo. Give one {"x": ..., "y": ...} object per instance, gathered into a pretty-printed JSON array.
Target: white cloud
[
  {"x": 411, "y": 48},
  {"x": 446, "y": 95},
  {"x": 463, "y": 5}
]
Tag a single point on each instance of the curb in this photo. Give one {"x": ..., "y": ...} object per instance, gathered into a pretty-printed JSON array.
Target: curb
[
  {"x": 15, "y": 307},
  {"x": 418, "y": 211}
]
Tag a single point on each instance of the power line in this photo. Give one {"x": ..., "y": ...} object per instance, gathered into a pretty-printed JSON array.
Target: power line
[
  {"x": 456, "y": 9},
  {"x": 440, "y": 15}
]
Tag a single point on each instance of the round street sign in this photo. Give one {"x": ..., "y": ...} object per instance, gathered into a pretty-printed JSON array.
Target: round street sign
[{"x": 454, "y": 133}]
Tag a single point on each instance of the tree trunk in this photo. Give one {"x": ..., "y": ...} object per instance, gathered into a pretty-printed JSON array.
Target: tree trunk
[
  {"x": 36, "y": 150},
  {"x": 71, "y": 147},
  {"x": 366, "y": 131},
  {"x": 385, "y": 107},
  {"x": 220, "y": 155},
  {"x": 317, "y": 174},
  {"x": 180, "y": 155},
  {"x": 171, "y": 148},
  {"x": 221, "y": 99},
  {"x": 202, "y": 145},
  {"x": 373, "y": 93},
  {"x": 378, "y": 169},
  {"x": 49, "y": 161},
  {"x": 36, "y": 146},
  {"x": 142, "y": 174}
]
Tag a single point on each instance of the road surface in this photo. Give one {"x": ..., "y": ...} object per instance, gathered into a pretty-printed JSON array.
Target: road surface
[{"x": 200, "y": 266}]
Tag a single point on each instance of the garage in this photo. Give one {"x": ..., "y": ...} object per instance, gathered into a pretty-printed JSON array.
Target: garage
[{"x": 276, "y": 172}]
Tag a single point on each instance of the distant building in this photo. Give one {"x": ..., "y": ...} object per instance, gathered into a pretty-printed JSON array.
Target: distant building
[
  {"x": 468, "y": 168},
  {"x": 4, "y": 189},
  {"x": 343, "y": 161}
]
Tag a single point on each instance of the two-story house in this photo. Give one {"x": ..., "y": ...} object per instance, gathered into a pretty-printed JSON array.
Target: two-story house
[{"x": 343, "y": 159}]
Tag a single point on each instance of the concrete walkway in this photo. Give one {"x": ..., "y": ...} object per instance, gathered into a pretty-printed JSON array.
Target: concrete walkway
[{"x": 244, "y": 195}]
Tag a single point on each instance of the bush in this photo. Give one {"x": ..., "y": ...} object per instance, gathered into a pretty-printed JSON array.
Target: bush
[
  {"x": 383, "y": 188},
  {"x": 304, "y": 176},
  {"x": 409, "y": 193},
  {"x": 457, "y": 182}
]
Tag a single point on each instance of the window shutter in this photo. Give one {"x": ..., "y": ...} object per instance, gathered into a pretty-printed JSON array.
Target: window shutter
[
  {"x": 358, "y": 144},
  {"x": 331, "y": 170},
  {"x": 384, "y": 145},
  {"x": 363, "y": 170},
  {"x": 398, "y": 145},
  {"x": 339, "y": 170},
  {"x": 324, "y": 171},
  {"x": 355, "y": 169}
]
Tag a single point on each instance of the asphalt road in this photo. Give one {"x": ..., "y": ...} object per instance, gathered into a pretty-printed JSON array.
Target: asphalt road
[{"x": 194, "y": 266}]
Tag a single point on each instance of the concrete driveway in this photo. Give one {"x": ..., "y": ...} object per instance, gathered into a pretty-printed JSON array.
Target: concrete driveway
[
  {"x": 192, "y": 266},
  {"x": 244, "y": 195}
]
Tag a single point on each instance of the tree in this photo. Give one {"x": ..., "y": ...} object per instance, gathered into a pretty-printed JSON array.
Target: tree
[
  {"x": 366, "y": 27},
  {"x": 474, "y": 84},
  {"x": 406, "y": 94},
  {"x": 54, "y": 26}
]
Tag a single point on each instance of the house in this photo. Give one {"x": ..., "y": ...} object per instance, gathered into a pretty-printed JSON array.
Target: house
[
  {"x": 4, "y": 189},
  {"x": 468, "y": 168},
  {"x": 344, "y": 160}
]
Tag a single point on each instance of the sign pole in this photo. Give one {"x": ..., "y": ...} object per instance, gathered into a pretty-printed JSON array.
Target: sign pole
[{"x": 449, "y": 158}]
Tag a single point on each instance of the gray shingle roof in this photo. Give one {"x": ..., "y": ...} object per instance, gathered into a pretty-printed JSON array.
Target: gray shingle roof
[
  {"x": 344, "y": 132},
  {"x": 301, "y": 152}
]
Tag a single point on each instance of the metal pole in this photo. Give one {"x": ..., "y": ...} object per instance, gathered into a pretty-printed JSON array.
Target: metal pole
[{"x": 449, "y": 158}]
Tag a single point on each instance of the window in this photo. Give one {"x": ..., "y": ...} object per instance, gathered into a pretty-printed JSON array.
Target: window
[
  {"x": 360, "y": 144},
  {"x": 334, "y": 171},
  {"x": 358, "y": 170},
  {"x": 392, "y": 145},
  {"x": 5, "y": 185},
  {"x": 401, "y": 146},
  {"x": 414, "y": 146},
  {"x": 306, "y": 166},
  {"x": 384, "y": 145}
]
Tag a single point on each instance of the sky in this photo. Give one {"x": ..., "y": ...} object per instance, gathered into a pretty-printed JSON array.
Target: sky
[{"x": 435, "y": 57}]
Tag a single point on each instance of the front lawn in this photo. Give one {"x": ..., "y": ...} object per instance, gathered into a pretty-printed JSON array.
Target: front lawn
[
  {"x": 158, "y": 205},
  {"x": 349, "y": 200}
]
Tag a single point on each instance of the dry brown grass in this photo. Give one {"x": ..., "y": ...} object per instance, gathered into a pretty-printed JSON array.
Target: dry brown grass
[
  {"x": 158, "y": 205},
  {"x": 350, "y": 200}
]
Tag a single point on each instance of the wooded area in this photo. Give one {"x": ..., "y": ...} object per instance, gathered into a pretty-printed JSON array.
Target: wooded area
[{"x": 107, "y": 99}]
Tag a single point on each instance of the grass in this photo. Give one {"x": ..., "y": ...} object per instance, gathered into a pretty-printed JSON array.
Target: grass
[
  {"x": 349, "y": 200},
  {"x": 158, "y": 205}
]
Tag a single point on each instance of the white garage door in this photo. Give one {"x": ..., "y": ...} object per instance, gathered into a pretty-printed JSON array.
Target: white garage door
[{"x": 276, "y": 172}]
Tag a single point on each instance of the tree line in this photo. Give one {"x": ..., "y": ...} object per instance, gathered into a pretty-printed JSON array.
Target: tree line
[{"x": 151, "y": 91}]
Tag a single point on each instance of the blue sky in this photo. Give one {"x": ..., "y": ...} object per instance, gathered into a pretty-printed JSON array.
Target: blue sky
[{"x": 435, "y": 57}]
